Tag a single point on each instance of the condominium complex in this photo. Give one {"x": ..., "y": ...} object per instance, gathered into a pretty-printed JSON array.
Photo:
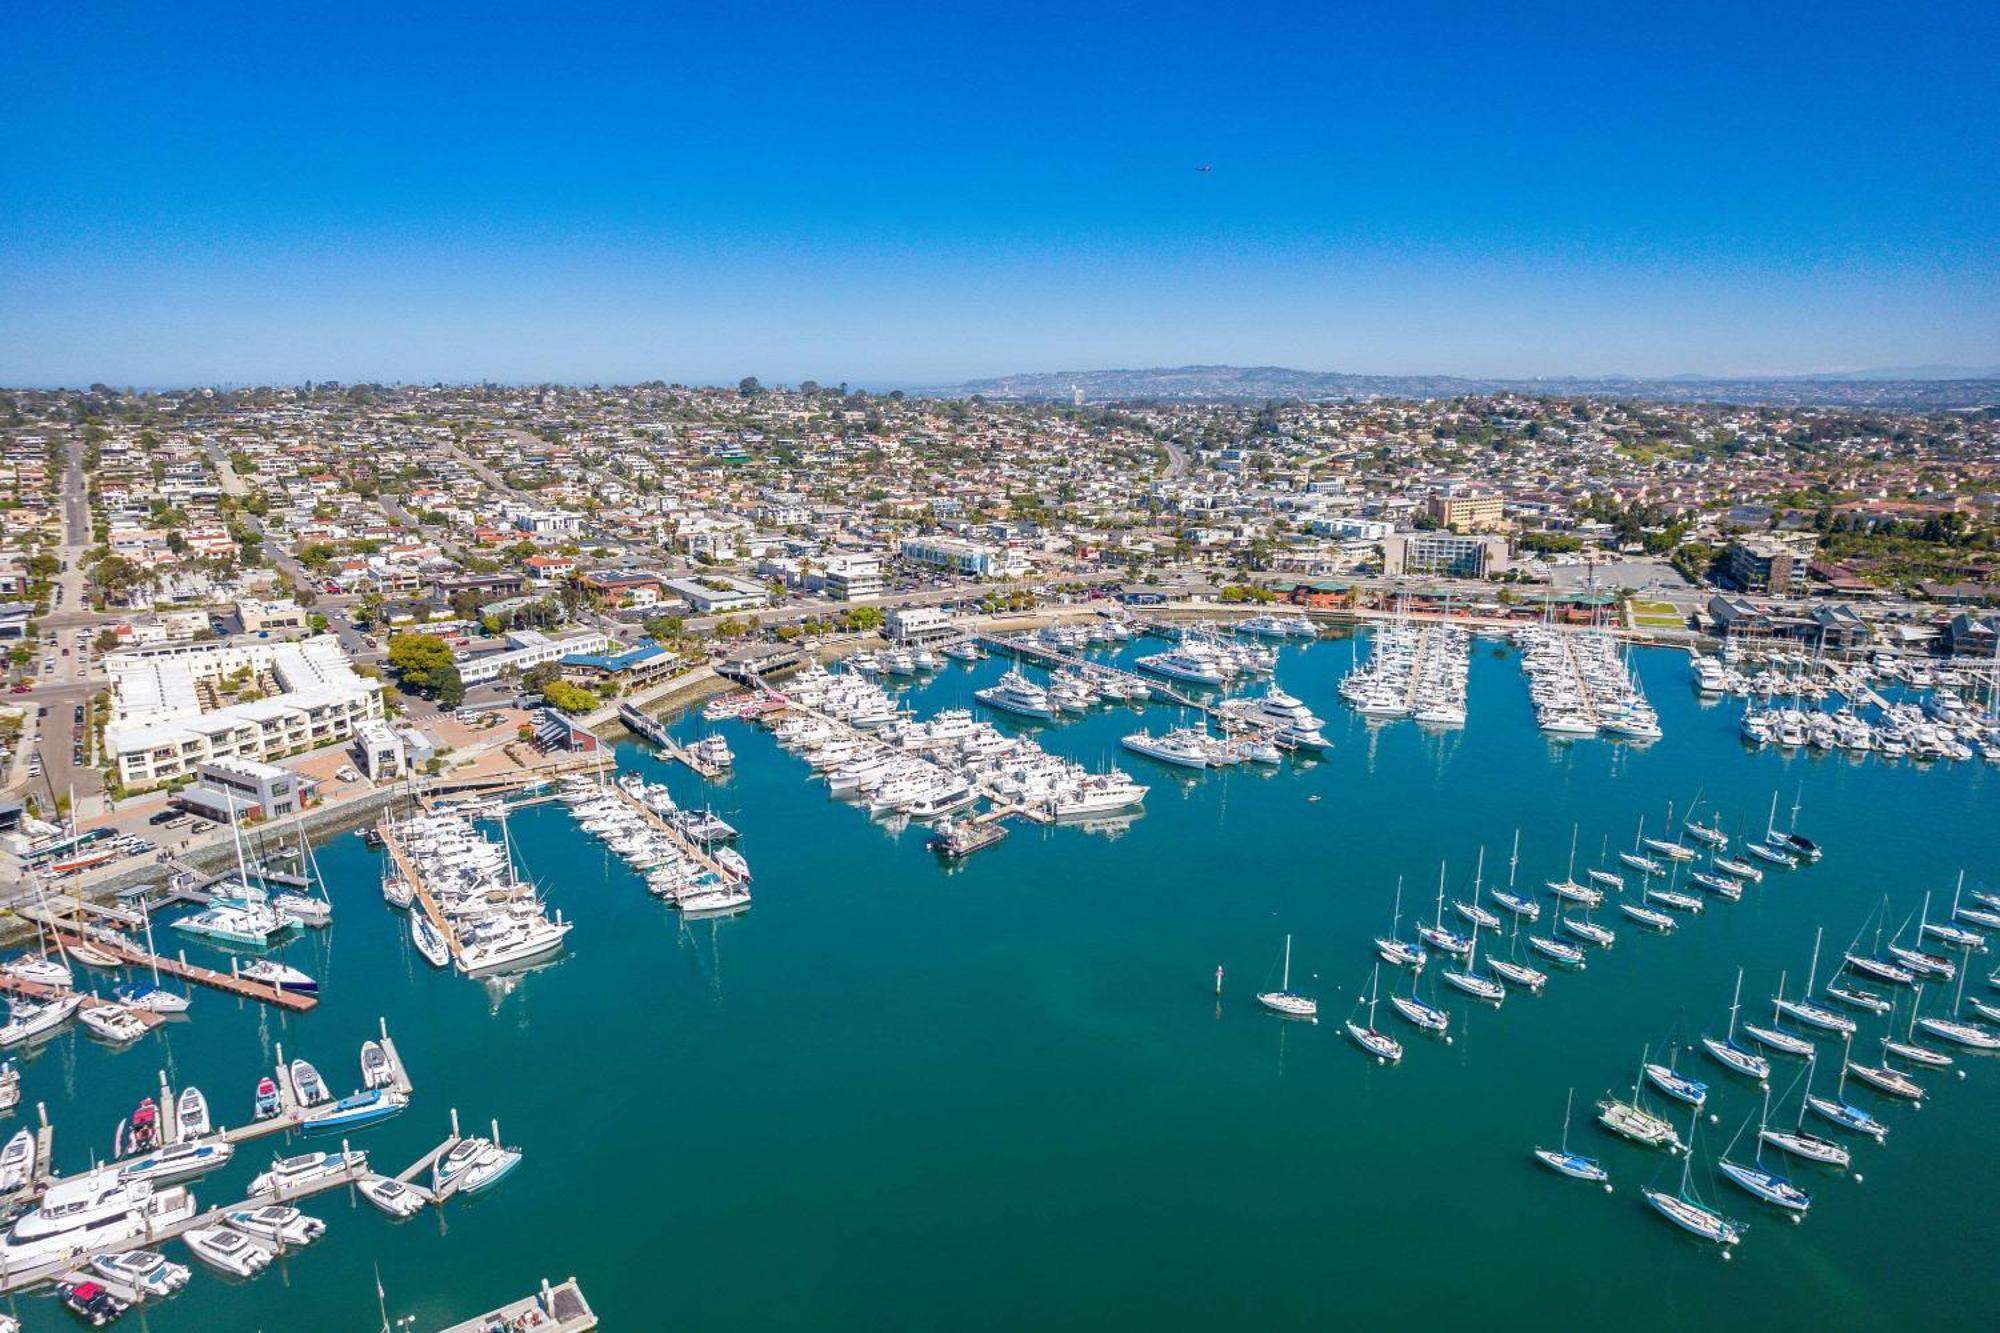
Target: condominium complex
[
  {"x": 1766, "y": 564},
  {"x": 1468, "y": 513},
  {"x": 1445, "y": 553},
  {"x": 176, "y": 706},
  {"x": 967, "y": 559}
]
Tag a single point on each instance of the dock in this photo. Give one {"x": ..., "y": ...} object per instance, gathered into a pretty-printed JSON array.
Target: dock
[
  {"x": 688, "y": 847},
  {"x": 386, "y": 831},
  {"x": 652, "y": 729},
  {"x": 133, "y": 956},
  {"x": 562, "y": 1309},
  {"x": 1049, "y": 657}
]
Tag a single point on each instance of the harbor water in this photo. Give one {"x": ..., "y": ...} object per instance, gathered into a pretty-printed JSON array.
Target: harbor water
[{"x": 896, "y": 1095}]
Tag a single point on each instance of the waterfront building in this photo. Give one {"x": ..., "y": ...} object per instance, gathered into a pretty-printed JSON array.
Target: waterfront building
[
  {"x": 380, "y": 751},
  {"x": 1445, "y": 553},
  {"x": 229, "y": 790},
  {"x": 966, "y": 559},
  {"x": 920, "y": 624},
  {"x": 1760, "y": 563},
  {"x": 528, "y": 648},
  {"x": 168, "y": 714}
]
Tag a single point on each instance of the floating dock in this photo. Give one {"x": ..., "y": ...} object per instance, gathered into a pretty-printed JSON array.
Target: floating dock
[
  {"x": 652, "y": 729},
  {"x": 1049, "y": 657},
  {"x": 133, "y": 956},
  {"x": 693, "y": 850},
  {"x": 386, "y": 831},
  {"x": 561, "y": 1309}
]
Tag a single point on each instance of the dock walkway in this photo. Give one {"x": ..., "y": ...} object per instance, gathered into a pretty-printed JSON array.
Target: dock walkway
[
  {"x": 562, "y": 1309},
  {"x": 693, "y": 850},
  {"x": 1050, "y": 657},
  {"x": 134, "y": 956},
  {"x": 652, "y": 729}
]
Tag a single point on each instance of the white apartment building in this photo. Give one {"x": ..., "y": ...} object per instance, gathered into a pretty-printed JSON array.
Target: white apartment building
[{"x": 166, "y": 719}]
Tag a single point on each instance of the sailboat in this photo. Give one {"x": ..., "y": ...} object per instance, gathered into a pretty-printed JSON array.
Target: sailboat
[
  {"x": 1521, "y": 905},
  {"x": 1632, "y": 1119},
  {"x": 1567, "y": 888},
  {"x": 1805, "y": 1011},
  {"x": 1791, "y": 838},
  {"x": 1574, "y": 1165},
  {"x": 1282, "y": 1001},
  {"x": 1514, "y": 972},
  {"x": 1472, "y": 982},
  {"x": 1970, "y": 1035},
  {"x": 1421, "y": 1012},
  {"x": 1438, "y": 935},
  {"x": 1637, "y": 859},
  {"x": 1918, "y": 959},
  {"x": 1686, "y": 1211},
  {"x": 1956, "y": 936},
  {"x": 1775, "y": 1037},
  {"x": 1381, "y": 1045},
  {"x": 1732, "y": 1055},
  {"x": 1769, "y": 1186},
  {"x": 1675, "y": 1084},
  {"x": 1775, "y": 848},
  {"x": 1843, "y": 1113},
  {"x": 1395, "y": 950},
  {"x": 1800, "y": 1142},
  {"x": 150, "y": 994},
  {"x": 1908, "y": 1047},
  {"x": 1480, "y": 918}
]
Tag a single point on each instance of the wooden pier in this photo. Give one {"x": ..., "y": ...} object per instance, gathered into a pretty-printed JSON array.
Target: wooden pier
[
  {"x": 1050, "y": 657},
  {"x": 386, "y": 830},
  {"x": 693, "y": 850},
  {"x": 652, "y": 729},
  {"x": 561, "y": 1309},
  {"x": 134, "y": 956}
]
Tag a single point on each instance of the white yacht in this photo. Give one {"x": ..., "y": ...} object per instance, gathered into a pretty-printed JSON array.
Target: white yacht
[
  {"x": 111, "y": 1022},
  {"x": 512, "y": 945},
  {"x": 28, "y": 1021},
  {"x": 227, "y": 1250},
  {"x": 1184, "y": 747},
  {"x": 1015, "y": 693},
  {"x": 91, "y": 1212},
  {"x": 277, "y": 1222},
  {"x": 288, "y": 1174},
  {"x": 40, "y": 970}
]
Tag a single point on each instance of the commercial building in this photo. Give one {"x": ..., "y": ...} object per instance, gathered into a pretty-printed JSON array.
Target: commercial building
[
  {"x": 1468, "y": 513},
  {"x": 850, "y": 578},
  {"x": 169, "y": 715},
  {"x": 528, "y": 648},
  {"x": 631, "y": 667},
  {"x": 1765, "y": 564},
  {"x": 230, "y": 791},
  {"x": 1443, "y": 553},
  {"x": 254, "y": 617},
  {"x": 920, "y": 624},
  {"x": 380, "y": 751},
  {"x": 966, "y": 559},
  {"x": 716, "y": 594}
]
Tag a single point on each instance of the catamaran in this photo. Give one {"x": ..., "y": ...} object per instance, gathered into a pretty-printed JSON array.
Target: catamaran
[
  {"x": 1282, "y": 1001},
  {"x": 1574, "y": 1165},
  {"x": 1687, "y": 1211},
  {"x": 1395, "y": 950},
  {"x": 1731, "y": 1054},
  {"x": 1381, "y": 1045}
]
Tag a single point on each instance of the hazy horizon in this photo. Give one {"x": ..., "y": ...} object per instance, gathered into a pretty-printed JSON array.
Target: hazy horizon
[{"x": 921, "y": 197}]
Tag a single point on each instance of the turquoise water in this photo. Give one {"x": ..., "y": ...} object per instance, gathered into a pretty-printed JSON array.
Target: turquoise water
[{"x": 893, "y": 1096}]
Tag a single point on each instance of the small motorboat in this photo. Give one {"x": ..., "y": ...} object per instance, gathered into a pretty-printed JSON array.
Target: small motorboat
[
  {"x": 375, "y": 1072},
  {"x": 391, "y": 1196},
  {"x": 269, "y": 1101},
  {"x": 138, "y": 1133},
  {"x": 191, "y": 1115},
  {"x": 90, "y": 1302},
  {"x": 280, "y": 976},
  {"x": 307, "y": 1085},
  {"x": 111, "y": 1022},
  {"x": 429, "y": 942},
  {"x": 227, "y": 1250},
  {"x": 178, "y": 1161},
  {"x": 17, "y": 1161},
  {"x": 147, "y": 1271},
  {"x": 288, "y": 1174},
  {"x": 356, "y": 1111},
  {"x": 277, "y": 1222}
]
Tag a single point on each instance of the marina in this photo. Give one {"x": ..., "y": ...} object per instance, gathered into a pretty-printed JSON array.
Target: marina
[{"x": 1082, "y": 962}]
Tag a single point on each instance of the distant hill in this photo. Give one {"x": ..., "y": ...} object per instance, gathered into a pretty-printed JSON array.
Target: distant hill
[{"x": 1913, "y": 388}]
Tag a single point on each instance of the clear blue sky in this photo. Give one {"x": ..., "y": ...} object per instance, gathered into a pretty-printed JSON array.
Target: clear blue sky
[{"x": 918, "y": 193}]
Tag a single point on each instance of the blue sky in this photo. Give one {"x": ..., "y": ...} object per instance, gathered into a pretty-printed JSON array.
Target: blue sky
[{"x": 916, "y": 194}]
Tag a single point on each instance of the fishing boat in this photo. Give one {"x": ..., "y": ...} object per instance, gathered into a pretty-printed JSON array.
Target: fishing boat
[
  {"x": 191, "y": 1115},
  {"x": 1394, "y": 949},
  {"x": 1282, "y": 1001},
  {"x": 1729, "y": 1052},
  {"x": 1633, "y": 1121},
  {"x": 1381, "y": 1045},
  {"x": 1769, "y": 1186},
  {"x": 1574, "y": 1165},
  {"x": 1687, "y": 1211}
]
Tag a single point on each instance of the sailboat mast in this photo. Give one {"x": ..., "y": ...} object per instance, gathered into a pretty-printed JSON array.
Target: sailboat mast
[
  {"x": 1514, "y": 861},
  {"x": 1812, "y": 975},
  {"x": 1440, "y": 916},
  {"x": 1286, "y": 984},
  {"x": 1478, "y": 875},
  {"x": 1734, "y": 1005}
]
